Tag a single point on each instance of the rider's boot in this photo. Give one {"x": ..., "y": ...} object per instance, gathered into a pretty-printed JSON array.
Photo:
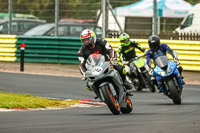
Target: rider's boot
[
  {"x": 129, "y": 93},
  {"x": 90, "y": 89},
  {"x": 180, "y": 69},
  {"x": 128, "y": 87},
  {"x": 87, "y": 86},
  {"x": 183, "y": 82},
  {"x": 126, "y": 83}
]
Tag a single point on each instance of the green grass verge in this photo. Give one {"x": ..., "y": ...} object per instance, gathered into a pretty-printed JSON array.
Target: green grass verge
[{"x": 9, "y": 100}]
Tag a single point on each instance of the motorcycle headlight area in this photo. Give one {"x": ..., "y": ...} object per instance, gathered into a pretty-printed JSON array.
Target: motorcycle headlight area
[
  {"x": 170, "y": 69},
  {"x": 161, "y": 73},
  {"x": 97, "y": 70}
]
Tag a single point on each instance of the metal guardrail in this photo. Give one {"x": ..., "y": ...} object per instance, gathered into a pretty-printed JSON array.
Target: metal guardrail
[
  {"x": 49, "y": 49},
  {"x": 8, "y": 47},
  {"x": 188, "y": 51},
  {"x": 64, "y": 50}
]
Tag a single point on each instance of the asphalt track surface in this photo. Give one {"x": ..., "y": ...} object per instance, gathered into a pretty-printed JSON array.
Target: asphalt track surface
[{"x": 152, "y": 113}]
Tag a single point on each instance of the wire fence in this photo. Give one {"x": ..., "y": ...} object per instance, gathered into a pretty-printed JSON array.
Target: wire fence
[{"x": 45, "y": 9}]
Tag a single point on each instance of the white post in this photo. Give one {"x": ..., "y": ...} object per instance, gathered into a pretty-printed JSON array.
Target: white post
[{"x": 154, "y": 24}]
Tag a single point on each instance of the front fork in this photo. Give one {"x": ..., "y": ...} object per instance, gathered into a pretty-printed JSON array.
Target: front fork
[{"x": 175, "y": 82}]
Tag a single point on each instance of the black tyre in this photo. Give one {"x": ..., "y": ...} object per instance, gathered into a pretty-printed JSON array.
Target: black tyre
[
  {"x": 174, "y": 94},
  {"x": 128, "y": 108},
  {"x": 149, "y": 83},
  {"x": 136, "y": 84},
  {"x": 110, "y": 100},
  {"x": 138, "y": 88}
]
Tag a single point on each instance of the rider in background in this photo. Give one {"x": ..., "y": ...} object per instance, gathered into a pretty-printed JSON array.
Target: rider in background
[
  {"x": 156, "y": 50},
  {"x": 92, "y": 45},
  {"x": 127, "y": 50}
]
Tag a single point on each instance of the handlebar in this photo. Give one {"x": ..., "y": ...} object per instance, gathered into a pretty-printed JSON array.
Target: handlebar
[
  {"x": 142, "y": 56},
  {"x": 137, "y": 58}
]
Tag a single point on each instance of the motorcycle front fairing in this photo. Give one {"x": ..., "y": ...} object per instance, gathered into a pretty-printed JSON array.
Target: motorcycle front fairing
[
  {"x": 100, "y": 73},
  {"x": 95, "y": 75},
  {"x": 171, "y": 67},
  {"x": 167, "y": 74},
  {"x": 139, "y": 62}
]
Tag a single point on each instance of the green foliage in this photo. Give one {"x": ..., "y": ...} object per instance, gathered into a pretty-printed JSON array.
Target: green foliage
[
  {"x": 193, "y": 1},
  {"x": 43, "y": 9},
  {"x": 85, "y": 9},
  {"x": 81, "y": 9},
  {"x": 118, "y": 3}
]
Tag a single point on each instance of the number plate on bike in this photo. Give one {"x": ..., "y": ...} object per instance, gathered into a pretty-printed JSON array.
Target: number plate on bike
[{"x": 97, "y": 70}]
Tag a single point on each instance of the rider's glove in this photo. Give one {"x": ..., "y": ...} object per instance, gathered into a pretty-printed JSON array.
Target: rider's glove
[
  {"x": 114, "y": 62},
  {"x": 125, "y": 62},
  {"x": 83, "y": 78},
  {"x": 150, "y": 71},
  {"x": 176, "y": 61}
]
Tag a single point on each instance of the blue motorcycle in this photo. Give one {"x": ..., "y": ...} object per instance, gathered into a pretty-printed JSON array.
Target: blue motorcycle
[{"x": 166, "y": 71}]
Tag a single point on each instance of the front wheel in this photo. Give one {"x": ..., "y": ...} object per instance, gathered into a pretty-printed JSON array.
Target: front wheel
[
  {"x": 174, "y": 92},
  {"x": 110, "y": 100}
]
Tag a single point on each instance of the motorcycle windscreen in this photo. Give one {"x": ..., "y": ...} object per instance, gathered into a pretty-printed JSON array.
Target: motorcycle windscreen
[
  {"x": 94, "y": 60},
  {"x": 139, "y": 62},
  {"x": 161, "y": 61}
]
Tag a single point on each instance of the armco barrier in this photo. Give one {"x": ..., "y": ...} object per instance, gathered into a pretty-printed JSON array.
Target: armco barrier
[
  {"x": 188, "y": 51},
  {"x": 64, "y": 50},
  {"x": 8, "y": 47},
  {"x": 49, "y": 49}
]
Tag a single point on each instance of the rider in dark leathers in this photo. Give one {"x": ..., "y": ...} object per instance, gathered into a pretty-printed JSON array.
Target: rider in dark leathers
[
  {"x": 91, "y": 45},
  {"x": 156, "y": 50},
  {"x": 127, "y": 51},
  {"x": 127, "y": 48}
]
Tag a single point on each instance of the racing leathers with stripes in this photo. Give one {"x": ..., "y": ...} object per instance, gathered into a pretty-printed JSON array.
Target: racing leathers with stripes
[
  {"x": 161, "y": 51},
  {"x": 127, "y": 52},
  {"x": 100, "y": 47}
]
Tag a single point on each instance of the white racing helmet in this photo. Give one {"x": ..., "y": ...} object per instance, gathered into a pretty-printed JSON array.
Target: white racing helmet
[{"x": 88, "y": 34}]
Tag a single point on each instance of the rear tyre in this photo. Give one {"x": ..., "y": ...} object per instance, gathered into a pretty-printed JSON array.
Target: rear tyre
[
  {"x": 128, "y": 108},
  {"x": 174, "y": 92},
  {"x": 149, "y": 83},
  {"x": 110, "y": 100}
]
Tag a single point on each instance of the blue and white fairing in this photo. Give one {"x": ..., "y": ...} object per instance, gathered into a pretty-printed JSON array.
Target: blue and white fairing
[{"x": 162, "y": 62}]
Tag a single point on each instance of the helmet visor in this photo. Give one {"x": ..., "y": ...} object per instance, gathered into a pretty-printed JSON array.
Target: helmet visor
[
  {"x": 87, "y": 41},
  {"x": 125, "y": 41}
]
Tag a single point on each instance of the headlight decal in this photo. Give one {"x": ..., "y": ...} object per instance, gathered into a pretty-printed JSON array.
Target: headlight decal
[{"x": 161, "y": 73}]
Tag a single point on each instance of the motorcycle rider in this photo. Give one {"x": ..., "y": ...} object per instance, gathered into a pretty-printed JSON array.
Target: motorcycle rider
[
  {"x": 91, "y": 45},
  {"x": 127, "y": 51},
  {"x": 156, "y": 50}
]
